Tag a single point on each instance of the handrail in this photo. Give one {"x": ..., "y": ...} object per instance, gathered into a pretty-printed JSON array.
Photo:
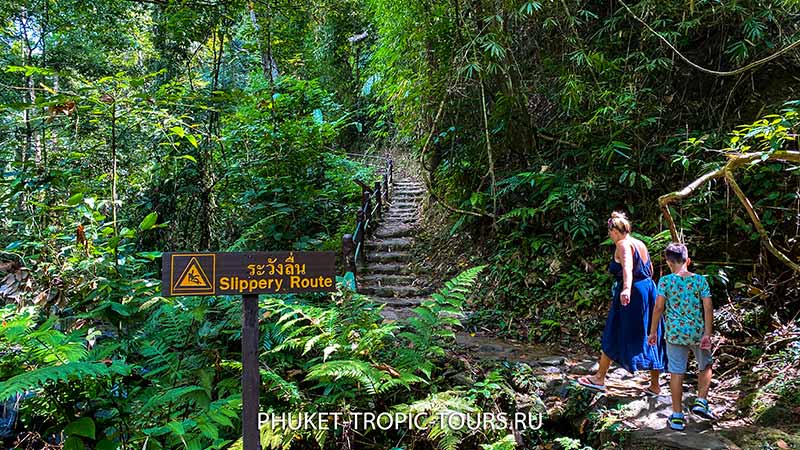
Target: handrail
[{"x": 354, "y": 245}]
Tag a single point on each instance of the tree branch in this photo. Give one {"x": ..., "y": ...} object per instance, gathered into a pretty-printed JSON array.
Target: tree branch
[{"x": 735, "y": 161}]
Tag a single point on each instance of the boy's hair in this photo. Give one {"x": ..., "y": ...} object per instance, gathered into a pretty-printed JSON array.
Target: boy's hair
[{"x": 676, "y": 253}]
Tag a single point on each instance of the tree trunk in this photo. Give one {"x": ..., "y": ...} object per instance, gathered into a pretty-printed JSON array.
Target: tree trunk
[{"x": 206, "y": 160}]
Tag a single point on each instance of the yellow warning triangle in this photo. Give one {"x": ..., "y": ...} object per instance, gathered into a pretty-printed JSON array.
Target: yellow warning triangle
[{"x": 193, "y": 276}]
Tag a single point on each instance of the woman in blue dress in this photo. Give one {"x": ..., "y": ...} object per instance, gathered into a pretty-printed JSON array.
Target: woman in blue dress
[{"x": 633, "y": 298}]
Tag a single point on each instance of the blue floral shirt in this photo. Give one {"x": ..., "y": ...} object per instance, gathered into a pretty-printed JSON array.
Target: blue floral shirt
[{"x": 684, "y": 307}]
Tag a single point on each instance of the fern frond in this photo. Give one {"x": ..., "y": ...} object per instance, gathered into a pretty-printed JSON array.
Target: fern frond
[
  {"x": 61, "y": 373},
  {"x": 172, "y": 395},
  {"x": 441, "y": 405},
  {"x": 354, "y": 370}
]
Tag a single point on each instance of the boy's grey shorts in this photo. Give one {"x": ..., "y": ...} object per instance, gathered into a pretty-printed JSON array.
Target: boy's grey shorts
[{"x": 678, "y": 357}]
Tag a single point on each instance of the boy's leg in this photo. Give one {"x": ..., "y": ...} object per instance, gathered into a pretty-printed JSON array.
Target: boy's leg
[
  {"x": 700, "y": 406},
  {"x": 676, "y": 389},
  {"x": 703, "y": 382},
  {"x": 677, "y": 357},
  {"x": 703, "y": 358}
]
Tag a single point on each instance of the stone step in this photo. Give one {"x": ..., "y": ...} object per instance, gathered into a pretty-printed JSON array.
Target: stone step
[
  {"x": 403, "y": 207},
  {"x": 409, "y": 193},
  {"x": 401, "y": 213},
  {"x": 408, "y": 187},
  {"x": 401, "y": 219},
  {"x": 392, "y": 313},
  {"x": 382, "y": 279},
  {"x": 389, "y": 231},
  {"x": 389, "y": 244},
  {"x": 382, "y": 257},
  {"x": 383, "y": 268},
  {"x": 393, "y": 291},
  {"x": 403, "y": 302}
]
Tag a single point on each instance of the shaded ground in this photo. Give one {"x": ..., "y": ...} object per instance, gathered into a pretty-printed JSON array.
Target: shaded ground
[{"x": 642, "y": 418}]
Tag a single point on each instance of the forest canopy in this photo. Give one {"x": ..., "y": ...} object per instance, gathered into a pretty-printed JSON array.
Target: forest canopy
[{"x": 130, "y": 128}]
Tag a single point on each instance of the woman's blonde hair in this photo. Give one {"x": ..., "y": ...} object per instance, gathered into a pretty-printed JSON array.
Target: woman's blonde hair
[{"x": 620, "y": 222}]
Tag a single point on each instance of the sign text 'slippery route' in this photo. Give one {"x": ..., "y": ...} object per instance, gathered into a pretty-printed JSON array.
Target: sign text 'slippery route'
[{"x": 247, "y": 273}]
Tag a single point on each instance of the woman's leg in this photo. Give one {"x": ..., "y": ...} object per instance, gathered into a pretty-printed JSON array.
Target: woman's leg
[
  {"x": 654, "y": 387},
  {"x": 602, "y": 369}
]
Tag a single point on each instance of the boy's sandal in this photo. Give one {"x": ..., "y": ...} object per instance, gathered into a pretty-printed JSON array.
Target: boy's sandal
[
  {"x": 700, "y": 407},
  {"x": 677, "y": 422},
  {"x": 587, "y": 383}
]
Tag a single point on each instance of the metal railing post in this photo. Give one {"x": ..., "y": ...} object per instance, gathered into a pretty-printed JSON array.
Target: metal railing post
[
  {"x": 378, "y": 200},
  {"x": 347, "y": 254},
  {"x": 360, "y": 219},
  {"x": 391, "y": 176},
  {"x": 385, "y": 188}
]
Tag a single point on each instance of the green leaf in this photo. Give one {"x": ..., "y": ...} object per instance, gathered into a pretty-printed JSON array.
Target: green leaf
[
  {"x": 152, "y": 256},
  {"x": 73, "y": 443},
  {"x": 105, "y": 444},
  {"x": 149, "y": 221},
  {"x": 81, "y": 427},
  {"x": 192, "y": 140},
  {"x": 75, "y": 199},
  {"x": 189, "y": 157},
  {"x": 177, "y": 428},
  {"x": 179, "y": 131}
]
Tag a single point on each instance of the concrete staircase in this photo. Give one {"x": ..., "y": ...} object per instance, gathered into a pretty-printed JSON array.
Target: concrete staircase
[{"x": 387, "y": 276}]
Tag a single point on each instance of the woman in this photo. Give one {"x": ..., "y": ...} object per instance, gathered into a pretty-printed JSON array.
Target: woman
[{"x": 628, "y": 323}]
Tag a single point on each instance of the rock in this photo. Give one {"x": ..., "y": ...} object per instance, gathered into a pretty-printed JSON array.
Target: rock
[
  {"x": 551, "y": 361},
  {"x": 690, "y": 439},
  {"x": 584, "y": 367}
]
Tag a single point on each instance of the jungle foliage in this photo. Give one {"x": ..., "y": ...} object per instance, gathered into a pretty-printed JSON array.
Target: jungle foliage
[
  {"x": 130, "y": 128},
  {"x": 534, "y": 120}
]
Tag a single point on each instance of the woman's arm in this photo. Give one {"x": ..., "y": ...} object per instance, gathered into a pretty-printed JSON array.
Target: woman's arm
[
  {"x": 658, "y": 310},
  {"x": 626, "y": 256}
]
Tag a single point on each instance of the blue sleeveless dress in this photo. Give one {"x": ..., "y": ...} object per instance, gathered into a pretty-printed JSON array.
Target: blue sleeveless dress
[{"x": 627, "y": 327}]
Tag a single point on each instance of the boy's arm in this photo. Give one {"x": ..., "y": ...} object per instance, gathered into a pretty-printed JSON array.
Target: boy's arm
[{"x": 708, "y": 316}]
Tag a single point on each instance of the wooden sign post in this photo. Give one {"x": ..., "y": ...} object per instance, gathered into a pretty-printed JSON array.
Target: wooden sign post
[{"x": 248, "y": 274}]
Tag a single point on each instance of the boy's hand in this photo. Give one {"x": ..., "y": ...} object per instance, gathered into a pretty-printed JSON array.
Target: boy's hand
[
  {"x": 652, "y": 339},
  {"x": 625, "y": 297},
  {"x": 705, "y": 342}
]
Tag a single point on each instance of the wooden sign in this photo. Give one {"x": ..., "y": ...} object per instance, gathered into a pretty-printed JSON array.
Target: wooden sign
[{"x": 247, "y": 273}]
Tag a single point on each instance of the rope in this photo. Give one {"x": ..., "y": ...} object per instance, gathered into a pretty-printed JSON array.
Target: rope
[{"x": 703, "y": 69}]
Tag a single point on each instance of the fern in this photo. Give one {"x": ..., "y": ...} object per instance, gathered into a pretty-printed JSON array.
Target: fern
[
  {"x": 431, "y": 328},
  {"x": 437, "y": 406},
  {"x": 61, "y": 373},
  {"x": 506, "y": 443}
]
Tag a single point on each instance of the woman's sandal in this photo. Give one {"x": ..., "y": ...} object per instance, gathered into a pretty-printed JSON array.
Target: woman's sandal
[
  {"x": 651, "y": 393},
  {"x": 677, "y": 422},
  {"x": 587, "y": 383},
  {"x": 700, "y": 408}
]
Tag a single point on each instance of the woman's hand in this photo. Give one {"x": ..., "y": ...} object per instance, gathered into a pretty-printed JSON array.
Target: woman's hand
[
  {"x": 652, "y": 339},
  {"x": 625, "y": 296}
]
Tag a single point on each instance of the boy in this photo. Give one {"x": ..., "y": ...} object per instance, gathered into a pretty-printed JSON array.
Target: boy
[{"x": 686, "y": 299}]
